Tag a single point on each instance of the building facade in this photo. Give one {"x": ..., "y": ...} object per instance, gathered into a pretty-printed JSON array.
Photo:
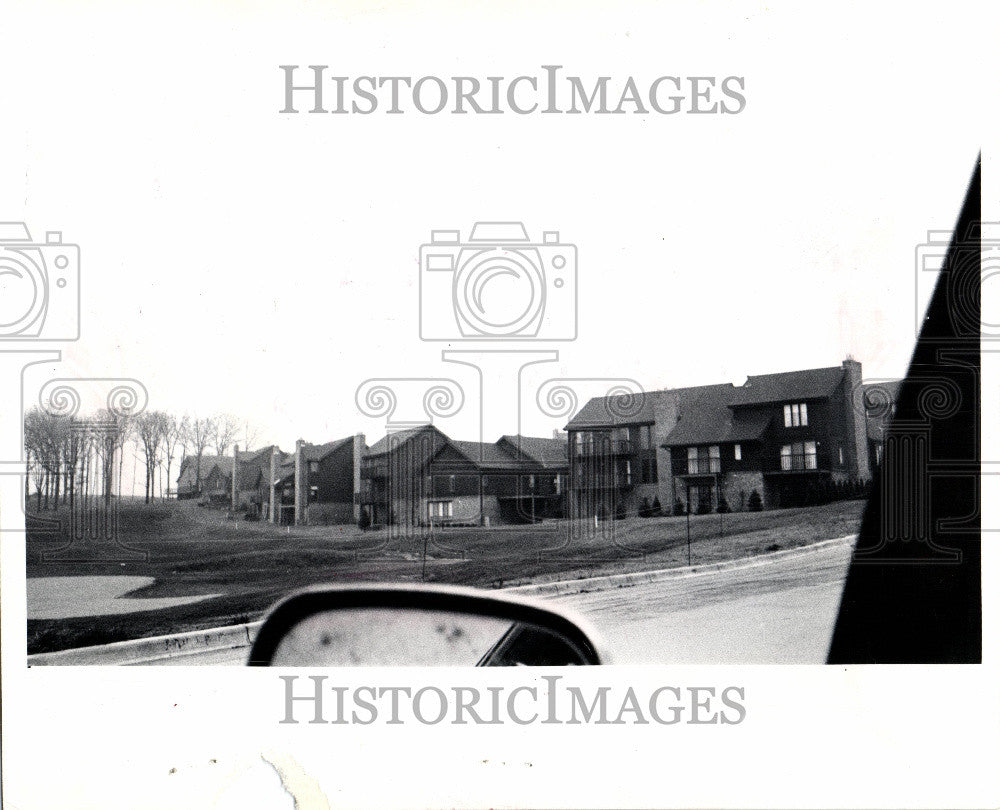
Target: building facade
[
  {"x": 421, "y": 477},
  {"x": 318, "y": 484},
  {"x": 780, "y": 439}
]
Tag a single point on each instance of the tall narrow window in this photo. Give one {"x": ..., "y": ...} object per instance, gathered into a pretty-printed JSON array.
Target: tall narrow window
[
  {"x": 645, "y": 437},
  {"x": 796, "y": 415},
  {"x": 737, "y": 452}
]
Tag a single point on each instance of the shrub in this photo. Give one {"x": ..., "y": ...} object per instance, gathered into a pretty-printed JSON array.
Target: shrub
[
  {"x": 754, "y": 504},
  {"x": 723, "y": 507},
  {"x": 679, "y": 507},
  {"x": 364, "y": 520},
  {"x": 656, "y": 509},
  {"x": 644, "y": 508},
  {"x": 704, "y": 508}
]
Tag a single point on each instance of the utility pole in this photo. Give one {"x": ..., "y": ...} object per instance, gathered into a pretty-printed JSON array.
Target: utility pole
[{"x": 688, "y": 510}]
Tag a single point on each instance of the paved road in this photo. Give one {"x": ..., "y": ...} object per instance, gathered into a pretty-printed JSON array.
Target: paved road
[
  {"x": 776, "y": 612},
  {"x": 780, "y": 612}
]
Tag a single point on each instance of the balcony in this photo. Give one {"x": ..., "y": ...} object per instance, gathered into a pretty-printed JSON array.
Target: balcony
[
  {"x": 704, "y": 466},
  {"x": 603, "y": 447}
]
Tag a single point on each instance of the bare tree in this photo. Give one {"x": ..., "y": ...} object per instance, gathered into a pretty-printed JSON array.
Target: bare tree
[
  {"x": 199, "y": 436},
  {"x": 227, "y": 429},
  {"x": 34, "y": 447},
  {"x": 174, "y": 437},
  {"x": 150, "y": 428},
  {"x": 250, "y": 436}
]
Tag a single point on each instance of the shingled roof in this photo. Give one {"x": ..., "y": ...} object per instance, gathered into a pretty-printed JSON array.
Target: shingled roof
[
  {"x": 813, "y": 383},
  {"x": 317, "y": 452},
  {"x": 487, "y": 455},
  {"x": 707, "y": 418},
  {"x": 391, "y": 440},
  {"x": 624, "y": 409},
  {"x": 550, "y": 453}
]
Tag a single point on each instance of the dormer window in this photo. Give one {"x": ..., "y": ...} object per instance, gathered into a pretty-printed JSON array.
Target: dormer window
[{"x": 796, "y": 415}]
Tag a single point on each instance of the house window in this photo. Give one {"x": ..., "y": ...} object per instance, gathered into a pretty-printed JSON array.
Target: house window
[
  {"x": 737, "y": 452},
  {"x": 799, "y": 456},
  {"x": 878, "y": 453},
  {"x": 704, "y": 460},
  {"x": 645, "y": 437},
  {"x": 621, "y": 440},
  {"x": 796, "y": 415},
  {"x": 313, "y": 494},
  {"x": 531, "y": 482},
  {"x": 840, "y": 456},
  {"x": 627, "y": 473},
  {"x": 439, "y": 509},
  {"x": 451, "y": 483},
  {"x": 557, "y": 484},
  {"x": 314, "y": 466}
]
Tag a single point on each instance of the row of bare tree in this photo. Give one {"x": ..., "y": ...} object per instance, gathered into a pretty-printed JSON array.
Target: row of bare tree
[{"x": 70, "y": 457}]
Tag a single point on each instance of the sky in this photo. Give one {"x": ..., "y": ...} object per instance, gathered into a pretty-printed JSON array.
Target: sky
[{"x": 238, "y": 260}]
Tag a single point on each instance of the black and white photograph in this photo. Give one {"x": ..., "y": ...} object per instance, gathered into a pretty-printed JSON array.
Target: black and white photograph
[{"x": 498, "y": 405}]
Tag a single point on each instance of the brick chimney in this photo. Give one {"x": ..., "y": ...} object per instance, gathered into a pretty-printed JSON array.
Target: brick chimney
[
  {"x": 236, "y": 455},
  {"x": 358, "y": 454},
  {"x": 855, "y": 421},
  {"x": 301, "y": 484},
  {"x": 272, "y": 500}
]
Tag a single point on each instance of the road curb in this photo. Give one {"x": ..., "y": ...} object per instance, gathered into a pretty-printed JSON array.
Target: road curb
[
  {"x": 148, "y": 650},
  {"x": 609, "y": 581},
  {"x": 158, "y": 648}
]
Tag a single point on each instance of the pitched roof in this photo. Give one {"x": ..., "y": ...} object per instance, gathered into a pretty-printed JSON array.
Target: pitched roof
[
  {"x": 317, "y": 452},
  {"x": 623, "y": 409},
  {"x": 547, "y": 452},
  {"x": 225, "y": 463},
  {"x": 879, "y": 394},
  {"x": 636, "y": 409},
  {"x": 486, "y": 455},
  {"x": 253, "y": 464},
  {"x": 391, "y": 440},
  {"x": 709, "y": 420},
  {"x": 813, "y": 383}
]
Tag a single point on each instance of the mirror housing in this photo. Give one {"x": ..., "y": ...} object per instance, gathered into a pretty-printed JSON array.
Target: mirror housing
[{"x": 393, "y": 625}]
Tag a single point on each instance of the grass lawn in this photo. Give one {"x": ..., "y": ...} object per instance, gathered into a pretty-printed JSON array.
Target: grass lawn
[{"x": 191, "y": 550}]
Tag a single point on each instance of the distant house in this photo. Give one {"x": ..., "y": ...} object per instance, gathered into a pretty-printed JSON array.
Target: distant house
[
  {"x": 210, "y": 478},
  {"x": 779, "y": 435},
  {"x": 253, "y": 474},
  {"x": 318, "y": 484},
  {"x": 421, "y": 477},
  {"x": 880, "y": 407}
]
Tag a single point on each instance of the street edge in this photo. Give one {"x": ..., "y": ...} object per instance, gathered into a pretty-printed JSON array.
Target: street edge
[{"x": 178, "y": 645}]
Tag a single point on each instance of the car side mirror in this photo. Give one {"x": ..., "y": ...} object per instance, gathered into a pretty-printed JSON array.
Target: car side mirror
[{"x": 420, "y": 625}]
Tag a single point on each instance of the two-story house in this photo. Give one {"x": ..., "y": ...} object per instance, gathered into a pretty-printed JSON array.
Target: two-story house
[
  {"x": 779, "y": 435},
  {"x": 617, "y": 461},
  {"x": 320, "y": 483},
  {"x": 422, "y": 477}
]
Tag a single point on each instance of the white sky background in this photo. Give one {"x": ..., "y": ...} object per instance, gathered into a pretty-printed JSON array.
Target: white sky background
[{"x": 239, "y": 260}]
